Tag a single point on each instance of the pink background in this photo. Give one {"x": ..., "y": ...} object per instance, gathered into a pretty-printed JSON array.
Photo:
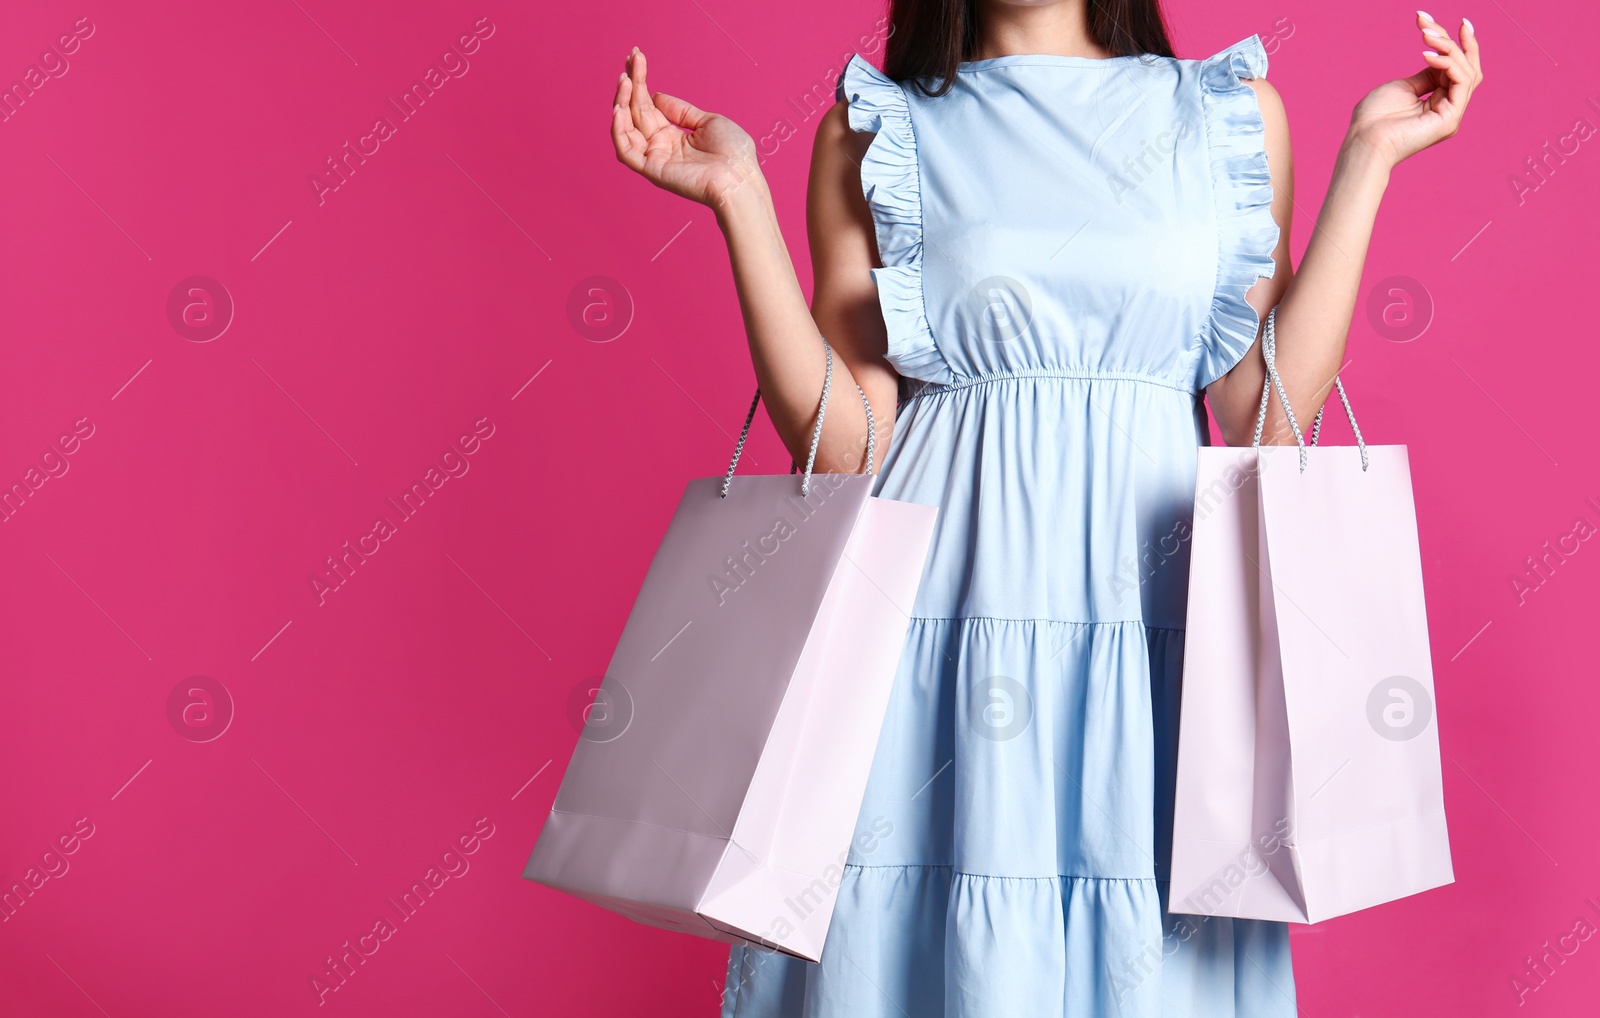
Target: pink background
[{"x": 430, "y": 291}]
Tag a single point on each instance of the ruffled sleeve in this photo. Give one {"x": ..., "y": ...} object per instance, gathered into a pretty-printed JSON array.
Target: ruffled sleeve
[
  {"x": 1242, "y": 185},
  {"x": 892, "y": 185}
]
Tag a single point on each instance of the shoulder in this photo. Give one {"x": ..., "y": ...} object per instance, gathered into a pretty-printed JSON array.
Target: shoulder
[
  {"x": 1275, "y": 126},
  {"x": 1270, "y": 101},
  {"x": 836, "y": 139},
  {"x": 867, "y": 98},
  {"x": 834, "y": 126},
  {"x": 1234, "y": 81}
]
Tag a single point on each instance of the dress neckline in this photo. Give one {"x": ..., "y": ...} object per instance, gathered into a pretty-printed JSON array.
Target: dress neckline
[{"x": 1048, "y": 60}]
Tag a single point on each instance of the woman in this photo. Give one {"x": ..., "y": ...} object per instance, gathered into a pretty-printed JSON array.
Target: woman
[{"x": 1039, "y": 242}]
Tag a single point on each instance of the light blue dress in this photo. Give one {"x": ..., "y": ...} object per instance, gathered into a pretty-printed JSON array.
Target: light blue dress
[{"x": 1066, "y": 245}]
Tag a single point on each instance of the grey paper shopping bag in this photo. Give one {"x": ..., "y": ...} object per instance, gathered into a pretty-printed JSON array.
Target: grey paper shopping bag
[{"x": 745, "y": 699}]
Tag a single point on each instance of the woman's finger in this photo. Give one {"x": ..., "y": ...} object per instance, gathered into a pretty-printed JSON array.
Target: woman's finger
[
  {"x": 1437, "y": 61},
  {"x": 1423, "y": 82},
  {"x": 627, "y": 140},
  {"x": 1435, "y": 35},
  {"x": 1454, "y": 68},
  {"x": 1469, "y": 45},
  {"x": 625, "y": 135},
  {"x": 682, "y": 113},
  {"x": 646, "y": 117},
  {"x": 625, "y": 96},
  {"x": 1449, "y": 88}
]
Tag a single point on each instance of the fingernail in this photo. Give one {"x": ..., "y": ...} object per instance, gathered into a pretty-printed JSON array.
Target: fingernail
[
  {"x": 1464, "y": 21},
  {"x": 1425, "y": 15},
  {"x": 1435, "y": 34}
]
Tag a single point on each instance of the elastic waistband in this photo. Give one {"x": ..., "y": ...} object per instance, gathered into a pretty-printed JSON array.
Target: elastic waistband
[{"x": 916, "y": 388}]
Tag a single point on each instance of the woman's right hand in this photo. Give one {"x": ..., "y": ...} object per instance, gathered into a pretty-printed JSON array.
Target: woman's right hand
[{"x": 701, "y": 156}]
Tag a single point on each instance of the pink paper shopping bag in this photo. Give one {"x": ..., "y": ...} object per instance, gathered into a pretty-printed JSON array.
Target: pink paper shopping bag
[
  {"x": 716, "y": 786},
  {"x": 1309, "y": 783}
]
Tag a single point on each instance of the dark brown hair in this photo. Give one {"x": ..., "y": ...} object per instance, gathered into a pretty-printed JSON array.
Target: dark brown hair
[{"x": 930, "y": 38}]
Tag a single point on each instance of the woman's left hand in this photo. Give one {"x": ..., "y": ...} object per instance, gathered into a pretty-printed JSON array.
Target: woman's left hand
[{"x": 1402, "y": 117}]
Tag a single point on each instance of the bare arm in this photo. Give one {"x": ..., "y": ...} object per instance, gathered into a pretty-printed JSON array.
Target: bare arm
[
  {"x": 709, "y": 159},
  {"x": 1315, "y": 305}
]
